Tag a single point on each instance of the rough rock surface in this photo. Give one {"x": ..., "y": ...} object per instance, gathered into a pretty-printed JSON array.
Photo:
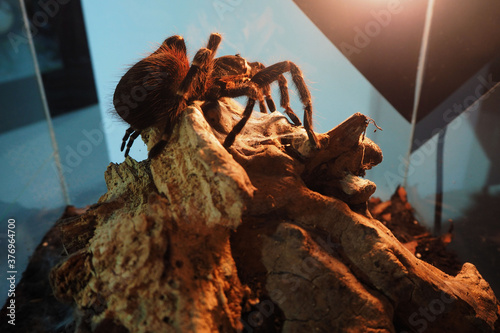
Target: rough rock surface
[{"x": 271, "y": 236}]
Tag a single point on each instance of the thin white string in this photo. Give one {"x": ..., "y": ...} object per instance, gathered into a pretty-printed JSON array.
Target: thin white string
[
  {"x": 419, "y": 81},
  {"x": 45, "y": 105}
]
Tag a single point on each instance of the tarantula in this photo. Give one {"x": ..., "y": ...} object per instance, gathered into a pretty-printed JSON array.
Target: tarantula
[{"x": 156, "y": 89}]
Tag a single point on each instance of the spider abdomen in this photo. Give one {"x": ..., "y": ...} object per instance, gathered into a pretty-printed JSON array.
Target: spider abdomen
[{"x": 146, "y": 94}]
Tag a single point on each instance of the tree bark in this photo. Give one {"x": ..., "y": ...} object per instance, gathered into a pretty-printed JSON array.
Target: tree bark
[{"x": 268, "y": 236}]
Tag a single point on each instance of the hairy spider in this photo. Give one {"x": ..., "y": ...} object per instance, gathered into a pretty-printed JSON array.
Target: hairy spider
[{"x": 156, "y": 89}]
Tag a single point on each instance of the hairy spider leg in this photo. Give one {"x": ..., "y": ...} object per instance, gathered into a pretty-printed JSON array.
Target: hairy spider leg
[
  {"x": 253, "y": 92},
  {"x": 269, "y": 100},
  {"x": 129, "y": 131},
  {"x": 266, "y": 90},
  {"x": 272, "y": 73},
  {"x": 201, "y": 64},
  {"x": 213, "y": 42},
  {"x": 199, "y": 59},
  {"x": 284, "y": 96},
  {"x": 285, "y": 100},
  {"x": 202, "y": 61},
  {"x": 228, "y": 142},
  {"x": 133, "y": 136}
]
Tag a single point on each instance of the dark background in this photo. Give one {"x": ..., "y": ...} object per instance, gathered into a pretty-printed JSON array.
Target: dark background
[{"x": 464, "y": 39}]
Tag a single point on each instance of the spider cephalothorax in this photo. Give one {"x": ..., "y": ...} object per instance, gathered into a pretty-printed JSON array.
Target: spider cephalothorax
[{"x": 158, "y": 87}]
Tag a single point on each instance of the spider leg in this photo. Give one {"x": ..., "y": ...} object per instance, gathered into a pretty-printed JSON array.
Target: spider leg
[
  {"x": 129, "y": 131},
  {"x": 160, "y": 145},
  {"x": 239, "y": 126},
  {"x": 285, "y": 100},
  {"x": 201, "y": 58},
  {"x": 213, "y": 42},
  {"x": 272, "y": 73},
  {"x": 246, "y": 89},
  {"x": 269, "y": 100},
  {"x": 262, "y": 106},
  {"x": 131, "y": 140},
  {"x": 201, "y": 64},
  {"x": 255, "y": 67}
]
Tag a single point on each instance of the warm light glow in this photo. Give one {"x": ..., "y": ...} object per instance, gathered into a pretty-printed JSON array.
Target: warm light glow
[{"x": 380, "y": 2}]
